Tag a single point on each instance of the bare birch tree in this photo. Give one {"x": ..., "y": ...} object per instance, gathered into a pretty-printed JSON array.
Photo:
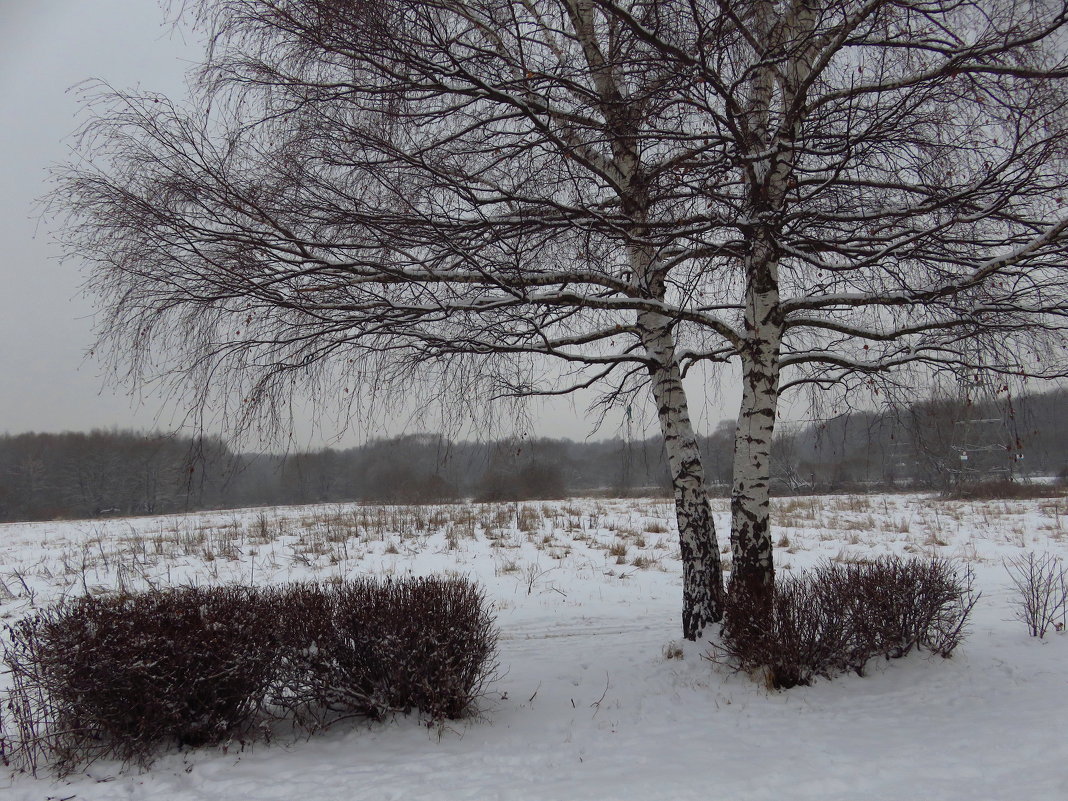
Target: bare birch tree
[
  {"x": 832, "y": 194},
  {"x": 894, "y": 205},
  {"x": 397, "y": 195}
]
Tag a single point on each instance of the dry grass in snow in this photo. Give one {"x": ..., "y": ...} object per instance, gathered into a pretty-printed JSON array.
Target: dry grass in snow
[{"x": 598, "y": 699}]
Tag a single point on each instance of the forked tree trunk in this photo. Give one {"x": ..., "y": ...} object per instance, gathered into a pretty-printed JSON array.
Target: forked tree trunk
[{"x": 702, "y": 571}]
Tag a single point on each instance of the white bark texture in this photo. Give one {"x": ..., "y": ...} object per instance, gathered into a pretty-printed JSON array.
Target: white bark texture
[
  {"x": 751, "y": 546},
  {"x": 702, "y": 579},
  {"x": 751, "y": 541}
]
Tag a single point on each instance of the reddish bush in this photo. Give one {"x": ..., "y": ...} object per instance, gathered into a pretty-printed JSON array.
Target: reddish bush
[
  {"x": 122, "y": 676},
  {"x": 836, "y": 617},
  {"x": 118, "y": 676},
  {"x": 374, "y": 648}
]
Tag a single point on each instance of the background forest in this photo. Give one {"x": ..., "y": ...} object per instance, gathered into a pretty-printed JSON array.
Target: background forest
[{"x": 106, "y": 473}]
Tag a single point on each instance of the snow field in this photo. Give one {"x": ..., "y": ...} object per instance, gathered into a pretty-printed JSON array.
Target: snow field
[{"x": 596, "y": 697}]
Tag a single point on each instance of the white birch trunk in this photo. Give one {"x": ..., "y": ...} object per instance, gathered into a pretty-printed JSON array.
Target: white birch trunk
[
  {"x": 753, "y": 569},
  {"x": 751, "y": 541},
  {"x": 702, "y": 582},
  {"x": 702, "y": 571}
]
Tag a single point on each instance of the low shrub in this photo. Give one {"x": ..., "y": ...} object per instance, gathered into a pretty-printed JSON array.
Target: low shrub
[
  {"x": 837, "y": 617},
  {"x": 374, "y": 648},
  {"x": 1002, "y": 489},
  {"x": 118, "y": 676},
  {"x": 805, "y": 633},
  {"x": 913, "y": 603},
  {"x": 1041, "y": 584},
  {"x": 122, "y": 676}
]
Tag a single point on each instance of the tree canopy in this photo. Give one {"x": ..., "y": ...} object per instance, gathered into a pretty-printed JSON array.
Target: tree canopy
[{"x": 439, "y": 196}]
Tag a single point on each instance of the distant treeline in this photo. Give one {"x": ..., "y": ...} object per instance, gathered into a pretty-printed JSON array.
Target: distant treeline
[
  {"x": 105, "y": 473},
  {"x": 933, "y": 444}
]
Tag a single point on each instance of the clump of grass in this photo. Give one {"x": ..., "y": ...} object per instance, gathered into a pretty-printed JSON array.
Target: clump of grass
[
  {"x": 674, "y": 650},
  {"x": 508, "y": 566},
  {"x": 529, "y": 519}
]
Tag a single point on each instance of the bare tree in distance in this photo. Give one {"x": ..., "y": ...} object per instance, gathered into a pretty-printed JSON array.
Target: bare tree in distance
[{"x": 831, "y": 195}]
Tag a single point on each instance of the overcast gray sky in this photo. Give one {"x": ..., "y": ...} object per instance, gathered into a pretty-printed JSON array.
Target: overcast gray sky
[{"x": 46, "y": 48}]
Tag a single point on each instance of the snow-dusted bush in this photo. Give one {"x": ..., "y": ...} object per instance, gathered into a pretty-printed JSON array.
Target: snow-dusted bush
[
  {"x": 903, "y": 604},
  {"x": 118, "y": 676},
  {"x": 804, "y": 633},
  {"x": 122, "y": 676},
  {"x": 1041, "y": 583},
  {"x": 836, "y": 617},
  {"x": 373, "y": 648}
]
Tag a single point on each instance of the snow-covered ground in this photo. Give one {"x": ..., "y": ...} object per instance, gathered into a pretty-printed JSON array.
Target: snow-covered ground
[{"x": 592, "y": 700}]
